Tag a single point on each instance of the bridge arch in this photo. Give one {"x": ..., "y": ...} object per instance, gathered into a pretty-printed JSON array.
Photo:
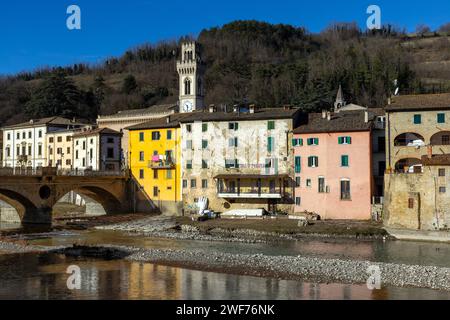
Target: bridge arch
[
  {"x": 108, "y": 200},
  {"x": 23, "y": 205}
]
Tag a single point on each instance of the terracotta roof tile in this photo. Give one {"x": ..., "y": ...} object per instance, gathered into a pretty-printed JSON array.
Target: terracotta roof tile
[
  {"x": 420, "y": 102},
  {"x": 436, "y": 160},
  {"x": 344, "y": 121},
  {"x": 97, "y": 131}
]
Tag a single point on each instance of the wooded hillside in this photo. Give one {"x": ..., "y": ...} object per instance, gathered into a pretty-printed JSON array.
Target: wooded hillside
[{"x": 247, "y": 62}]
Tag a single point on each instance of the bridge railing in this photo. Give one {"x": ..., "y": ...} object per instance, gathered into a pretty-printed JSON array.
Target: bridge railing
[
  {"x": 90, "y": 173},
  {"x": 21, "y": 171},
  {"x": 51, "y": 171}
]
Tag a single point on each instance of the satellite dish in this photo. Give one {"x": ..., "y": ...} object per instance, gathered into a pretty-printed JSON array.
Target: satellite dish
[{"x": 397, "y": 90}]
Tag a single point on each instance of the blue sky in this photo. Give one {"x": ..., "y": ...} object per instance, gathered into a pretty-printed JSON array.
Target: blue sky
[{"x": 33, "y": 33}]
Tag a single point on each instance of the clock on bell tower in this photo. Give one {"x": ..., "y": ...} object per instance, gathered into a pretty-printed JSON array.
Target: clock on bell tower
[{"x": 191, "y": 70}]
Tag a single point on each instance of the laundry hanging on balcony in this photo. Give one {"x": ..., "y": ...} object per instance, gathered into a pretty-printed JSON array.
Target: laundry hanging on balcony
[{"x": 159, "y": 158}]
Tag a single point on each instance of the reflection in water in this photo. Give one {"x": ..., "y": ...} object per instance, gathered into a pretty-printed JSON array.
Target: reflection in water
[
  {"x": 9, "y": 225},
  {"x": 44, "y": 277},
  {"x": 406, "y": 252}
]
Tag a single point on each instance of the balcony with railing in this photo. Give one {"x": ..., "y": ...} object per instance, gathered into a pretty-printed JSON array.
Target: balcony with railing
[
  {"x": 162, "y": 164},
  {"x": 253, "y": 187}
]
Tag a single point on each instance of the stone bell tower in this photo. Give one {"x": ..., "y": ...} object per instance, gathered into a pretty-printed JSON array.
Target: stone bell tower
[
  {"x": 340, "y": 102},
  {"x": 191, "y": 71}
]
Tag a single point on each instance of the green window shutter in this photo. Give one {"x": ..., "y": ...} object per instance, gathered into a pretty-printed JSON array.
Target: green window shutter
[
  {"x": 340, "y": 140},
  {"x": 271, "y": 125},
  {"x": 236, "y": 126},
  {"x": 204, "y": 144},
  {"x": 294, "y": 142},
  {"x": 300, "y": 142},
  {"x": 204, "y": 127},
  {"x": 236, "y": 163},
  {"x": 269, "y": 144},
  {"x": 349, "y": 140},
  {"x": 441, "y": 118},
  {"x": 298, "y": 164},
  {"x": 417, "y": 119},
  {"x": 317, "y": 161},
  {"x": 344, "y": 161},
  {"x": 309, "y": 141},
  {"x": 310, "y": 161},
  {"x": 316, "y": 141}
]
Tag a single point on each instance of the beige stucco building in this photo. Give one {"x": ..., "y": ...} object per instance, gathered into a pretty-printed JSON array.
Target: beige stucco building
[
  {"x": 420, "y": 201},
  {"x": 413, "y": 123},
  {"x": 418, "y": 149},
  {"x": 60, "y": 148}
]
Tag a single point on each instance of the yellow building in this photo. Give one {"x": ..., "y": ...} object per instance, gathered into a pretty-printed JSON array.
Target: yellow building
[{"x": 154, "y": 158}]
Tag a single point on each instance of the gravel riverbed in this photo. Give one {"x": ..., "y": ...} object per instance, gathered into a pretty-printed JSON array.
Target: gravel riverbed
[
  {"x": 302, "y": 268},
  {"x": 166, "y": 227},
  {"x": 299, "y": 267}
]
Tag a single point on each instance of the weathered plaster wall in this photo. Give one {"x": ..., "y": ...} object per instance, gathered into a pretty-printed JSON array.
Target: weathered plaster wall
[
  {"x": 431, "y": 208},
  {"x": 329, "y": 204},
  {"x": 251, "y": 153}
]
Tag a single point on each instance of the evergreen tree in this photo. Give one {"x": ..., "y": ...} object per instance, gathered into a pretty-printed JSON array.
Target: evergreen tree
[
  {"x": 56, "y": 96},
  {"x": 129, "y": 84}
]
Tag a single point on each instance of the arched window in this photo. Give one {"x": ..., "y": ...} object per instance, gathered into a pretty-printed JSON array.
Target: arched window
[
  {"x": 441, "y": 138},
  {"x": 409, "y": 165},
  {"x": 187, "y": 86},
  {"x": 409, "y": 139}
]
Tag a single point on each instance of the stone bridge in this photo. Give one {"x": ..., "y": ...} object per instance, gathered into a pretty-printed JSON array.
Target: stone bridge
[{"x": 34, "y": 192}]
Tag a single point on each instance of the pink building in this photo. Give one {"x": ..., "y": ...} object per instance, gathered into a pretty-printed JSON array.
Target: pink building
[{"x": 333, "y": 165}]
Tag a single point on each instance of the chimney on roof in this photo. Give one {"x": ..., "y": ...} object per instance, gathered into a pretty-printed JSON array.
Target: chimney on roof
[
  {"x": 212, "y": 108},
  {"x": 236, "y": 108},
  {"x": 389, "y": 101},
  {"x": 252, "y": 108},
  {"x": 31, "y": 121},
  {"x": 324, "y": 114},
  {"x": 430, "y": 151},
  {"x": 328, "y": 115},
  {"x": 168, "y": 119},
  {"x": 366, "y": 116}
]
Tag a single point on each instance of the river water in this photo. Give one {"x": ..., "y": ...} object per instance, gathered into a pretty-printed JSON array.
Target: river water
[{"x": 32, "y": 276}]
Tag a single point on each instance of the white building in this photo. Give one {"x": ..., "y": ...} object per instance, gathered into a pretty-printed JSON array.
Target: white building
[
  {"x": 25, "y": 144},
  {"x": 98, "y": 150}
]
